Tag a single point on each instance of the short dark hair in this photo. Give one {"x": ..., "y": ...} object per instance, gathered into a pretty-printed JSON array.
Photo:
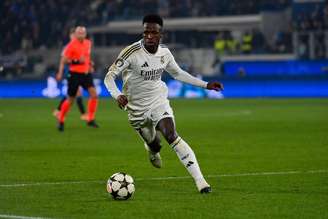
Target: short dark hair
[
  {"x": 72, "y": 30},
  {"x": 153, "y": 18}
]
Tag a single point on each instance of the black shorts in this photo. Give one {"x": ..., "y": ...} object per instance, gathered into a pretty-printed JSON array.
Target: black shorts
[{"x": 77, "y": 79}]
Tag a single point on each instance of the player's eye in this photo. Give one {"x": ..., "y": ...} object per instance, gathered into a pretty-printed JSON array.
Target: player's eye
[{"x": 152, "y": 33}]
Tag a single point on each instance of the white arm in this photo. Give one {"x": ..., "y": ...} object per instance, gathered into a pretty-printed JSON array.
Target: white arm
[
  {"x": 177, "y": 73},
  {"x": 111, "y": 85},
  {"x": 114, "y": 70}
]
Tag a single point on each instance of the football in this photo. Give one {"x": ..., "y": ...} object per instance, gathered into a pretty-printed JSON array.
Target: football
[{"x": 120, "y": 186}]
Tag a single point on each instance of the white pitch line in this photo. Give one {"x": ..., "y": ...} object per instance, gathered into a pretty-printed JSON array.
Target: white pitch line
[
  {"x": 169, "y": 178},
  {"x": 49, "y": 183},
  {"x": 20, "y": 217},
  {"x": 238, "y": 113},
  {"x": 239, "y": 175}
]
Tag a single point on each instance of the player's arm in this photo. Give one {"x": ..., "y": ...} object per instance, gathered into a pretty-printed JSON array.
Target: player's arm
[
  {"x": 62, "y": 62},
  {"x": 114, "y": 70},
  {"x": 92, "y": 64},
  {"x": 92, "y": 67},
  {"x": 64, "y": 59},
  {"x": 177, "y": 73}
]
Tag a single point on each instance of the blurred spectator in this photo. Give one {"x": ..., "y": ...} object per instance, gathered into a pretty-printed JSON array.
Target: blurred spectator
[
  {"x": 325, "y": 17},
  {"x": 219, "y": 45},
  {"x": 258, "y": 43},
  {"x": 319, "y": 47},
  {"x": 247, "y": 43},
  {"x": 282, "y": 42},
  {"x": 303, "y": 47},
  {"x": 163, "y": 8},
  {"x": 231, "y": 44}
]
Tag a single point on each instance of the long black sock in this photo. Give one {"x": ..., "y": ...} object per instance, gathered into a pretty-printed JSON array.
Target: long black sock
[
  {"x": 80, "y": 104},
  {"x": 61, "y": 102}
]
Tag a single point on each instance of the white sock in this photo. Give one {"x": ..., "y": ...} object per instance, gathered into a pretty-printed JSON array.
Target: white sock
[{"x": 188, "y": 159}]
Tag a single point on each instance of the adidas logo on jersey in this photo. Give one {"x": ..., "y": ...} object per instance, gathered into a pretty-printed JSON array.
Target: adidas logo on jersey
[{"x": 145, "y": 65}]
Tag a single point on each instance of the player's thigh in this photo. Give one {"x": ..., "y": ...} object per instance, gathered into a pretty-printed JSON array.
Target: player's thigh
[
  {"x": 167, "y": 128},
  {"x": 147, "y": 133},
  {"x": 163, "y": 120},
  {"x": 92, "y": 92},
  {"x": 143, "y": 126},
  {"x": 73, "y": 85},
  {"x": 161, "y": 112},
  {"x": 79, "y": 91}
]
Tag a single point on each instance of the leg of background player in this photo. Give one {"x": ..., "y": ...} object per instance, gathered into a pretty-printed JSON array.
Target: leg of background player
[
  {"x": 80, "y": 105},
  {"x": 56, "y": 111},
  {"x": 63, "y": 111},
  {"x": 92, "y": 107}
]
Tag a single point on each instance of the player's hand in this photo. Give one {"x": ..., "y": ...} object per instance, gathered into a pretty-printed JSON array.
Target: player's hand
[
  {"x": 215, "y": 85},
  {"x": 59, "y": 76},
  {"x": 122, "y": 101},
  {"x": 81, "y": 59},
  {"x": 92, "y": 67}
]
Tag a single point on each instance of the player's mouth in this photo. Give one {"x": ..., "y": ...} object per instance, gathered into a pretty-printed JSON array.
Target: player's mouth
[{"x": 150, "y": 43}]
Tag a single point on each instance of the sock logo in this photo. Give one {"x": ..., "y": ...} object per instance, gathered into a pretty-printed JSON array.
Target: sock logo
[
  {"x": 185, "y": 157},
  {"x": 189, "y": 164}
]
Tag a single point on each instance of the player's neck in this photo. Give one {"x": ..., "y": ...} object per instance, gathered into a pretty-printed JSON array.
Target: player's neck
[{"x": 151, "y": 49}]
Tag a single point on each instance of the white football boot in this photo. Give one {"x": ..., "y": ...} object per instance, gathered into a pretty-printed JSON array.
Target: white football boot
[{"x": 155, "y": 158}]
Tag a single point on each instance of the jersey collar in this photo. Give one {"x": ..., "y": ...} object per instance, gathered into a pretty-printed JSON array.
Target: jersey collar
[{"x": 143, "y": 47}]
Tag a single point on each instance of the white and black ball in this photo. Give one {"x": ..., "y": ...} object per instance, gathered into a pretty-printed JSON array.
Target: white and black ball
[{"x": 120, "y": 186}]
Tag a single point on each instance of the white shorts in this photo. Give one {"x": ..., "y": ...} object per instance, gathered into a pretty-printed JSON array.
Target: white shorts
[{"x": 145, "y": 123}]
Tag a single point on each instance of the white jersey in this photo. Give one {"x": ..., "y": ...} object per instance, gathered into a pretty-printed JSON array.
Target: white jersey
[{"x": 141, "y": 73}]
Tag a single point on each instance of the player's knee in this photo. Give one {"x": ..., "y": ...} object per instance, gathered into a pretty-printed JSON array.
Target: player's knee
[
  {"x": 155, "y": 145},
  {"x": 170, "y": 136},
  {"x": 92, "y": 92},
  {"x": 71, "y": 100},
  {"x": 93, "y": 95}
]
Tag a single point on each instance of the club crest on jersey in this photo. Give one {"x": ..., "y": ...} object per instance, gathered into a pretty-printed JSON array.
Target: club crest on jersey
[
  {"x": 119, "y": 62},
  {"x": 162, "y": 59}
]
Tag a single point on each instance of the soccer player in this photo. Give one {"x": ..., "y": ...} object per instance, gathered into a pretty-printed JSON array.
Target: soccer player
[
  {"x": 78, "y": 56},
  {"x": 61, "y": 69},
  {"x": 145, "y": 95}
]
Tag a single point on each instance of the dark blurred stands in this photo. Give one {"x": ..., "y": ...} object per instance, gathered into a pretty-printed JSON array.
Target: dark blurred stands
[
  {"x": 310, "y": 27},
  {"x": 30, "y": 25}
]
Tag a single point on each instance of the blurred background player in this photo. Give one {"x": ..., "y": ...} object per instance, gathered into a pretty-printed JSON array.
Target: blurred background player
[
  {"x": 78, "y": 51},
  {"x": 62, "y": 68},
  {"x": 145, "y": 95}
]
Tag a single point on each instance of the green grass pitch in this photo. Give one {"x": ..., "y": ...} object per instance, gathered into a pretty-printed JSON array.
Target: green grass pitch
[{"x": 264, "y": 158}]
